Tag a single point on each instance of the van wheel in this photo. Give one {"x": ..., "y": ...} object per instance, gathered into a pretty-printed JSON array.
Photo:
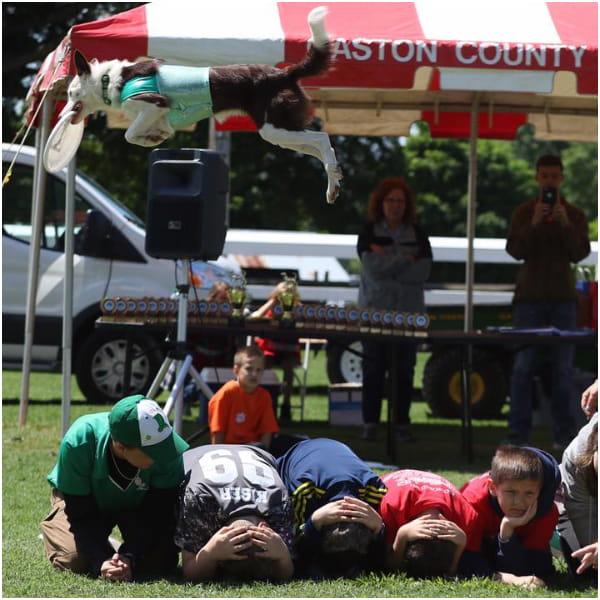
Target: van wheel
[
  {"x": 101, "y": 366},
  {"x": 344, "y": 366},
  {"x": 442, "y": 385}
]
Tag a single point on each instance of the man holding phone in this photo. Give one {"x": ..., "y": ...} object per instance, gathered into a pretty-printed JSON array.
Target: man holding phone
[{"x": 548, "y": 234}]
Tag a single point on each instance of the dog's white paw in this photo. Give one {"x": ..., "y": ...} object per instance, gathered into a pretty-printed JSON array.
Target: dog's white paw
[
  {"x": 333, "y": 171},
  {"x": 334, "y": 175},
  {"x": 333, "y": 191}
]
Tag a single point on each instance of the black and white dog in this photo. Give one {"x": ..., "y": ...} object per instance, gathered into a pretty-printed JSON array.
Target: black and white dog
[{"x": 155, "y": 97}]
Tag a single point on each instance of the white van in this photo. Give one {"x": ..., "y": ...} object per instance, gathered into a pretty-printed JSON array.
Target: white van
[{"x": 109, "y": 261}]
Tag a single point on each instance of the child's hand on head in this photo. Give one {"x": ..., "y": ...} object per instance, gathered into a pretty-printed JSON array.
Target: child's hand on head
[
  {"x": 421, "y": 528},
  {"x": 328, "y": 514},
  {"x": 448, "y": 530},
  {"x": 228, "y": 543},
  {"x": 358, "y": 511},
  {"x": 268, "y": 541}
]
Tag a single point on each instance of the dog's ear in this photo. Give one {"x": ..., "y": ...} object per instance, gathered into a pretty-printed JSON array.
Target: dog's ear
[{"x": 81, "y": 64}]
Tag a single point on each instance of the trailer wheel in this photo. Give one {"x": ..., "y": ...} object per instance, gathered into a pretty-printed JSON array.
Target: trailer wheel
[
  {"x": 344, "y": 366},
  {"x": 101, "y": 364},
  {"x": 442, "y": 385}
]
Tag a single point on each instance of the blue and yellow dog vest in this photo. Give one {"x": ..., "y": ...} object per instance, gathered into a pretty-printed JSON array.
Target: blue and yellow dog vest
[{"x": 187, "y": 88}]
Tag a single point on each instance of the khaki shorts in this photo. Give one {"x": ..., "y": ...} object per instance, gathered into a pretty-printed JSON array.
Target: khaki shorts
[
  {"x": 58, "y": 539},
  {"x": 160, "y": 559}
]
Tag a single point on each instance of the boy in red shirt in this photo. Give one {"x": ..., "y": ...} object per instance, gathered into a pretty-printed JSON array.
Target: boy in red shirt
[
  {"x": 515, "y": 501},
  {"x": 428, "y": 523},
  {"x": 433, "y": 531},
  {"x": 241, "y": 412}
]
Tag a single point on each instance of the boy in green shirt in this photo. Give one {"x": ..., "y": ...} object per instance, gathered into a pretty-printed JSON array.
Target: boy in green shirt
[{"x": 122, "y": 468}]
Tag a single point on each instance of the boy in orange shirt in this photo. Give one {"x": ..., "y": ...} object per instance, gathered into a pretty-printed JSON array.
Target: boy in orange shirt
[{"x": 241, "y": 411}]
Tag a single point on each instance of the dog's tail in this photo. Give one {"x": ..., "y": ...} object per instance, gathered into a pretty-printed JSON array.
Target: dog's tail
[{"x": 318, "y": 57}]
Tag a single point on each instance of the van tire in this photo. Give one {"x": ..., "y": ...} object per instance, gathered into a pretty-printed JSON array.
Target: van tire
[
  {"x": 441, "y": 384},
  {"x": 101, "y": 363},
  {"x": 344, "y": 366}
]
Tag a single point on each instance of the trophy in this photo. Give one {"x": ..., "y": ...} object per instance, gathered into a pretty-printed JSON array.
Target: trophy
[
  {"x": 320, "y": 315},
  {"x": 365, "y": 320},
  {"x": 376, "y": 315},
  {"x": 353, "y": 318},
  {"x": 310, "y": 315},
  {"x": 410, "y": 324},
  {"x": 237, "y": 296},
  {"x": 330, "y": 317},
  {"x": 287, "y": 295},
  {"x": 398, "y": 323},
  {"x": 387, "y": 321},
  {"x": 422, "y": 321},
  {"x": 299, "y": 315}
]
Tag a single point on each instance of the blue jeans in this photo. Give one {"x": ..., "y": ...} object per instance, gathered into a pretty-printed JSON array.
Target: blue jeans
[
  {"x": 375, "y": 364},
  {"x": 542, "y": 314}
]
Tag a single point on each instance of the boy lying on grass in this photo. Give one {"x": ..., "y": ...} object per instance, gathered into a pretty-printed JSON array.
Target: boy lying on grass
[
  {"x": 234, "y": 516},
  {"x": 335, "y": 496},
  {"x": 432, "y": 531},
  {"x": 515, "y": 501}
]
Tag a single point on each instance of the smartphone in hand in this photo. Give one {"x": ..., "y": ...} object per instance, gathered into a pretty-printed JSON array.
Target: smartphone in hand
[{"x": 549, "y": 195}]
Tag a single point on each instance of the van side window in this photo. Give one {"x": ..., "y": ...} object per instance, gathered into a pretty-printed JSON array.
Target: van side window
[{"x": 16, "y": 209}]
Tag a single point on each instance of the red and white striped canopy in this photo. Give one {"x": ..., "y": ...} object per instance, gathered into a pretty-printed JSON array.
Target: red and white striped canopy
[{"x": 395, "y": 62}]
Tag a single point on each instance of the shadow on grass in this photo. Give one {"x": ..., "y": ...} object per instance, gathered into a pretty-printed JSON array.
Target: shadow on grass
[
  {"x": 438, "y": 446},
  {"x": 33, "y": 402}
]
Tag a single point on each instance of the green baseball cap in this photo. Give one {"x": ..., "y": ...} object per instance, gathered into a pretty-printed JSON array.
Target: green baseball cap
[{"x": 140, "y": 422}]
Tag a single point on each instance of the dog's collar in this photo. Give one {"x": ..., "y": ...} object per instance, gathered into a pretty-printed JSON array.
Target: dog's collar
[{"x": 105, "y": 82}]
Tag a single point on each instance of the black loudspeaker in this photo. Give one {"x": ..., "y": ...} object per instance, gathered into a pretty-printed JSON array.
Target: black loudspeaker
[{"x": 187, "y": 198}]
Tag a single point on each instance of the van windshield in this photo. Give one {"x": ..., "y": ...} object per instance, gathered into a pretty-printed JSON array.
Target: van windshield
[{"x": 120, "y": 208}]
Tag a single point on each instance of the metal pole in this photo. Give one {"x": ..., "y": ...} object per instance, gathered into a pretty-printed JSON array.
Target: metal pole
[
  {"x": 37, "y": 222},
  {"x": 471, "y": 209},
  {"x": 67, "y": 328},
  {"x": 467, "y": 362},
  {"x": 220, "y": 141},
  {"x": 182, "y": 365}
]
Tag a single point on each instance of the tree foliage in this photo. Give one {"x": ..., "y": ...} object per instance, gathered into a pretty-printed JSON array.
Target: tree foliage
[{"x": 273, "y": 188}]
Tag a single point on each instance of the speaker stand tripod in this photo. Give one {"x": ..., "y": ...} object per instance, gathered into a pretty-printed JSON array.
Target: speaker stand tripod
[{"x": 183, "y": 359}]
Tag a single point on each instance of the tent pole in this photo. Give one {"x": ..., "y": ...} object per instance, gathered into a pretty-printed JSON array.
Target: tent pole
[
  {"x": 220, "y": 141},
  {"x": 467, "y": 350},
  {"x": 37, "y": 222},
  {"x": 67, "y": 328},
  {"x": 471, "y": 205}
]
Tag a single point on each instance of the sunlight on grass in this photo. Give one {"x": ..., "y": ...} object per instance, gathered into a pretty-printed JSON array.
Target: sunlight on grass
[{"x": 30, "y": 452}]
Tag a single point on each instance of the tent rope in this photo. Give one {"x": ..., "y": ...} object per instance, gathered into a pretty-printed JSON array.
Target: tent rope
[{"x": 8, "y": 175}]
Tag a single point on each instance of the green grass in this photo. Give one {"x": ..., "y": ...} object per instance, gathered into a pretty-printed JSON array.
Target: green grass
[{"x": 29, "y": 453}]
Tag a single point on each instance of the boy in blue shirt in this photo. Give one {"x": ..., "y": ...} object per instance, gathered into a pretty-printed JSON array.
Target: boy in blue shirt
[{"x": 335, "y": 497}]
